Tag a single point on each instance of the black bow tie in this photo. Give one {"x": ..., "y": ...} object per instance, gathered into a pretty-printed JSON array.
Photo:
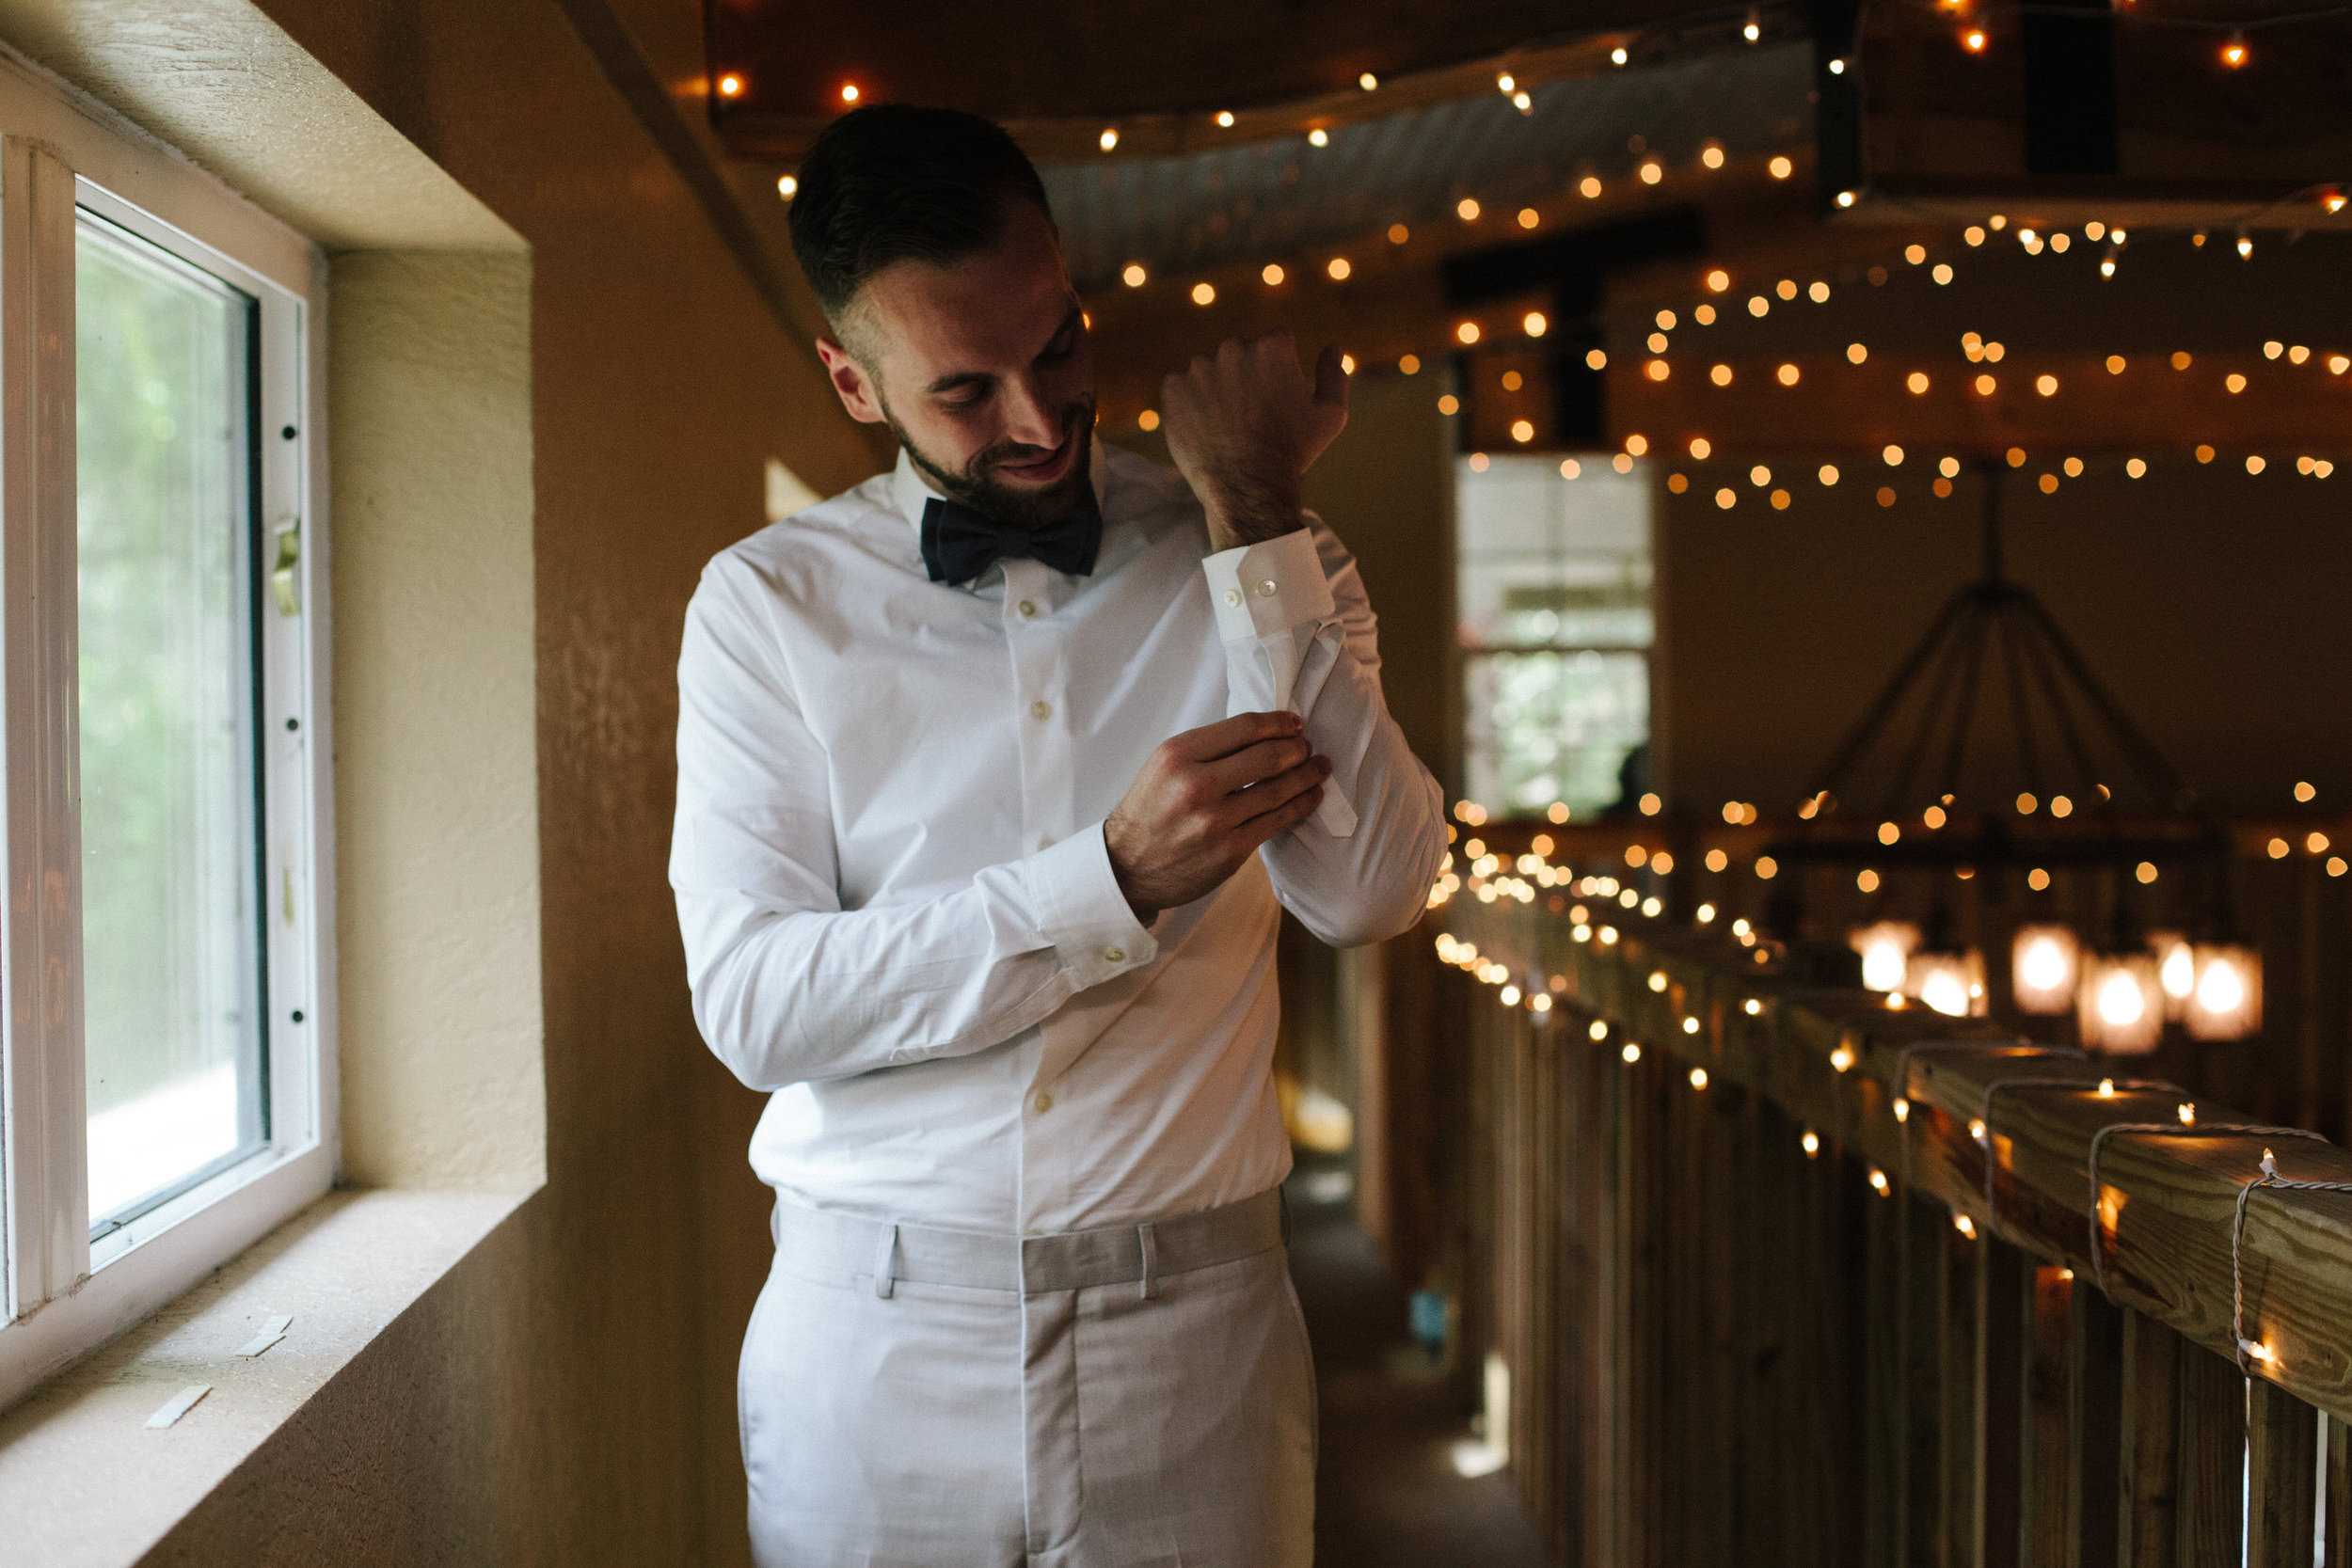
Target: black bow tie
[{"x": 958, "y": 544}]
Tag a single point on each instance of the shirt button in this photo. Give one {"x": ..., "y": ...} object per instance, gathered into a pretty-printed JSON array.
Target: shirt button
[
  {"x": 1114, "y": 955},
  {"x": 1027, "y": 609},
  {"x": 1232, "y": 595},
  {"x": 1266, "y": 589},
  {"x": 1045, "y": 1102},
  {"x": 1040, "y": 710}
]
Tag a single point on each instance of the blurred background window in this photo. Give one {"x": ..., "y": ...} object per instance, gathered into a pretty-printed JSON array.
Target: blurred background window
[{"x": 1553, "y": 563}]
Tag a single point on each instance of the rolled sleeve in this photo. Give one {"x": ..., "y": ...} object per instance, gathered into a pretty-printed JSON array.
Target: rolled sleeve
[{"x": 1080, "y": 910}]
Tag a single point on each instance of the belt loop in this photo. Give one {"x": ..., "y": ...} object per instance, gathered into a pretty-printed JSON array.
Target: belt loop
[
  {"x": 1151, "y": 1246},
  {"x": 886, "y": 1263}
]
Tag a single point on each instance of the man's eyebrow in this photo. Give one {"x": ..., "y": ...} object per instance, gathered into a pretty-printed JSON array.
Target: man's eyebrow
[{"x": 962, "y": 379}]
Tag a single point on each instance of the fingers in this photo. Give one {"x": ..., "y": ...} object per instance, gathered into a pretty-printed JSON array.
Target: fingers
[
  {"x": 1228, "y": 736},
  {"x": 1275, "y": 794},
  {"x": 1281, "y": 820},
  {"x": 1254, "y": 765}
]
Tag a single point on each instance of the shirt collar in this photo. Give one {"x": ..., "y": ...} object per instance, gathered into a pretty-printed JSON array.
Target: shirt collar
[{"x": 909, "y": 489}]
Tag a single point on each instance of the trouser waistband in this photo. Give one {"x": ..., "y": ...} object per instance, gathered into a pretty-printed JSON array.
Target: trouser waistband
[{"x": 1138, "y": 1255}]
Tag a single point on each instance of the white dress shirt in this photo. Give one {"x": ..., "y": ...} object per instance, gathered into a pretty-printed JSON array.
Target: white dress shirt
[{"x": 899, "y": 911}]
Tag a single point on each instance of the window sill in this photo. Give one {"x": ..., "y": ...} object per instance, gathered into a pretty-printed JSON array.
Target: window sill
[{"x": 84, "y": 1482}]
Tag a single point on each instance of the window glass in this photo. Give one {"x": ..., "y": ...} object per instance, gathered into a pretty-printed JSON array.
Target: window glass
[
  {"x": 170, "y": 901},
  {"x": 1554, "y": 589}
]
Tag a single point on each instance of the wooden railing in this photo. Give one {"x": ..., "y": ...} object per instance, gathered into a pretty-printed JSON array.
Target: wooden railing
[{"x": 1783, "y": 1275}]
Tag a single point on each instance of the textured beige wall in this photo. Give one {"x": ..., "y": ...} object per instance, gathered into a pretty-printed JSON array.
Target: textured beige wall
[
  {"x": 566, "y": 1395},
  {"x": 436, "y": 771}
]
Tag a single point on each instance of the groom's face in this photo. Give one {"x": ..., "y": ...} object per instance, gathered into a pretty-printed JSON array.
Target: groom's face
[{"x": 983, "y": 369}]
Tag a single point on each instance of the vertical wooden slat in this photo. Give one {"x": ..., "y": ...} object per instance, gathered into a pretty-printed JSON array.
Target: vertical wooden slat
[
  {"x": 2148, "y": 1465},
  {"x": 1961, "y": 1394},
  {"x": 1605, "y": 1460},
  {"x": 2283, "y": 1457},
  {"x": 1921, "y": 1502},
  {"x": 2046, "y": 1495},
  {"x": 2213, "y": 1459},
  {"x": 2336, "y": 1531},
  {"x": 2005, "y": 1307},
  {"x": 1885, "y": 1465},
  {"x": 2096, "y": 1429},
  {"x": 1642, "y": 1503}
]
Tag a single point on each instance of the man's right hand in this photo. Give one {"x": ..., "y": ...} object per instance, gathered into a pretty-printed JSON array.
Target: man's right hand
[{"x": 1205, "y": 802}]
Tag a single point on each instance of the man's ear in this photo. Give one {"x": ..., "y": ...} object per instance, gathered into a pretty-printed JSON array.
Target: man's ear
[{"x": 850, "y": 382}]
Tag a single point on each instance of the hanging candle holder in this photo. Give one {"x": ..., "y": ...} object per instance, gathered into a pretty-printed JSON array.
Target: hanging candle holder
[
  {"x": 2119, "y": 1005},
  {"x": 2045, "y": 968},
  {"x": 2227, "y": 1003}
]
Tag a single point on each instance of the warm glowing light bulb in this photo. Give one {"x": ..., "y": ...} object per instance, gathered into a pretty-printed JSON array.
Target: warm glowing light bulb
[
  {"x": 730, "y": 86},
  {"x": 2221, "y": 989},
  {"x": 787, "y": 186},
  {"x": 1225, "y": 119},
  {"x": 849, "y": 92},
  {"x": 1368, "y": 82},
  {"x": 2233, "y": 52},
  {"x": 1318, "y": 137},
  {"x": 1973, "y": 40},
  {"x": 1534, "y": 324},
  {"x": 2120, "y": 1002}
]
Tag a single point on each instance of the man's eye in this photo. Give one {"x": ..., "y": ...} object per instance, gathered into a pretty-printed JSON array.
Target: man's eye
[{"x": 965, "y": 405}]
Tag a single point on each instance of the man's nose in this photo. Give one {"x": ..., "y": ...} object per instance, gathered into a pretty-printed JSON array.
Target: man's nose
[{"x": 1030, "y": 416}]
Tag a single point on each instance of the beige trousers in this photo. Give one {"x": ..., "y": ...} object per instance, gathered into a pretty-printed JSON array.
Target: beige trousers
[{"x": 1045, "y": 1412}]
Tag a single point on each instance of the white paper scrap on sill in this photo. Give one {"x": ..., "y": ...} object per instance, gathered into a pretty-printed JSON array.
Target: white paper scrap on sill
[
  {"x": 273, "y": 1329},
  {"x": 178, "y": 1405}
]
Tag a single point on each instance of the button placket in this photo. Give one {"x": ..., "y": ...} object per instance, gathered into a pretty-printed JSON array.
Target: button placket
[{"x": 1027, "y": 655}]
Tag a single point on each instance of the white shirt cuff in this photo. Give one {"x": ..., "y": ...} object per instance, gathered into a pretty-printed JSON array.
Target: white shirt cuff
[
  {"x": 1082, "y": 912},
  {"x": 1269, "y": 588}
]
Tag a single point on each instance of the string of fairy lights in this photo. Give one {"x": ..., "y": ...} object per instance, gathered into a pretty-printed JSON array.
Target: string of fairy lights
[
  {"x": 1602, "y": 902},
  {"x": 1982, "y": 380}
]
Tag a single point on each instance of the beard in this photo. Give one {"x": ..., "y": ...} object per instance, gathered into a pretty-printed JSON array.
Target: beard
[{"x": 1028, "y": 506}]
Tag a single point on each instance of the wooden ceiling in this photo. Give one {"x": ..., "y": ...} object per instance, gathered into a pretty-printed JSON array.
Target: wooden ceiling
[
  {"x": 1337, "y": 209},
  {"x": 1058, "y": 74}
]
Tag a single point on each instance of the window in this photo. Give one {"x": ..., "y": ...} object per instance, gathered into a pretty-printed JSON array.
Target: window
[
  {"x": 166, "y": 1001},
  {"x": 1554, "y": 587}
]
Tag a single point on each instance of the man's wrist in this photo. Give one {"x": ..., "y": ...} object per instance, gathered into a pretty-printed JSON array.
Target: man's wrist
[{"x": 1252, "y": 519}]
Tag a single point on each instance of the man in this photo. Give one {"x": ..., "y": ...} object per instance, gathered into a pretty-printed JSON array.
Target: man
[{"x": 992, "y": 771}]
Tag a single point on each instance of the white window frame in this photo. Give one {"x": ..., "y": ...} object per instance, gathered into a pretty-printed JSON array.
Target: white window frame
[{"x": 61, "y": 1294}]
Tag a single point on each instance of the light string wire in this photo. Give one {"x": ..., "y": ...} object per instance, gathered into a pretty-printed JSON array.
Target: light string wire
[
  {"x": 2169, "y": 1129},
  {"x": 1984, "y": 1120},
  {"x": 2269, "y": 1177},
  {"x": 2026, "y": 1051}
]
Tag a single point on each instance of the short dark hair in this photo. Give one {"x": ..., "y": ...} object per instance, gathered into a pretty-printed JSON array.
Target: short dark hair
[{"x": 894, "y": 182}]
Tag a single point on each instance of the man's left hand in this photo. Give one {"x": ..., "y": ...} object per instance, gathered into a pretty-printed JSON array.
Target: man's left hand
[{"x": 1242, "y": 425}]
